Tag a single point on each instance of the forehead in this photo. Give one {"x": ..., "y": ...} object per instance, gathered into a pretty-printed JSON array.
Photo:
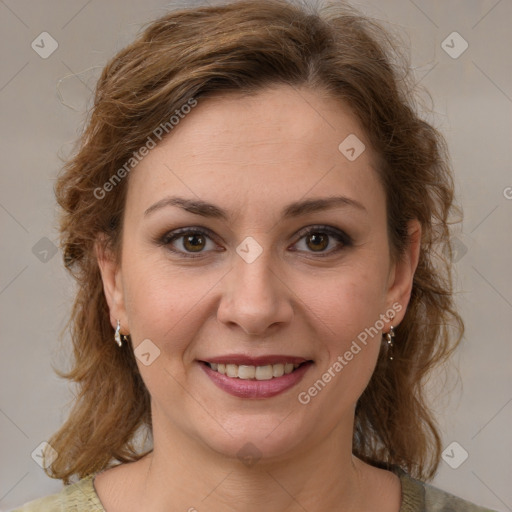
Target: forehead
[{"x": 272, "y": 147}]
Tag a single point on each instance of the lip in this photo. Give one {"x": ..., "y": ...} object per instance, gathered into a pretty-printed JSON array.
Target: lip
[
  {"x": 241, "y": 359},
  {"x": 256, "y": 389}
]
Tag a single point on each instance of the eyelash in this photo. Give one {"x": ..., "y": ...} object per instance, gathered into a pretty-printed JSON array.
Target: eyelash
[{"x": 167, "y": 239}]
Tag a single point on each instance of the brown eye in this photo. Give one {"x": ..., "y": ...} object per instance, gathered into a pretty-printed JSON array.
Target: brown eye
[
  {"x": 194, "y": 242},
  {"x": 189, "y": 242},
  {"x": 317, "y": 241},
  {"x": 322, "y": 240}
]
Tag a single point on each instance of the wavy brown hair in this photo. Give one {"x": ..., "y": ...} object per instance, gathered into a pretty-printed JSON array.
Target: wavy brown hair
[{"x": 243, "y": 47}]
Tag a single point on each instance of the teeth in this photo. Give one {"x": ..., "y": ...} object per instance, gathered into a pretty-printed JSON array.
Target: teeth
[
  {"x": 232, "y": 370},
  {"x": 264, "y": 372},
  {"x": 277, "y": 370},
  {"x": 246, "y": 372}
]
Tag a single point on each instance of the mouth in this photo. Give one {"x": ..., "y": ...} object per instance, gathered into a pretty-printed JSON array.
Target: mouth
[
  {"x": 261, "y": 377},
  {"x": 251, "y": 372}
]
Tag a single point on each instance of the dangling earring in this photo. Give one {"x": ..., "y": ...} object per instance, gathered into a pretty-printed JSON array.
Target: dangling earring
[
  {"x": 117, "y": 335},
  {"x": 389, "y": 339}
]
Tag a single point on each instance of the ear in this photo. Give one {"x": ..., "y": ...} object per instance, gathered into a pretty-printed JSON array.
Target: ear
[
  {"x": 402, "y": 273},
  {"x": 111, "y": 276}
]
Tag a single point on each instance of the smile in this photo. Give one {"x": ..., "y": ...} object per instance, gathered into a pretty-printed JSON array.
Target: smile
[
  {"x": 262, "y": 377},
  {"x": 249, "y": 372}
]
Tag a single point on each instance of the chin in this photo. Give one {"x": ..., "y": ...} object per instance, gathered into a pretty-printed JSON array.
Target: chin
[{"x": 257, "y": 437}]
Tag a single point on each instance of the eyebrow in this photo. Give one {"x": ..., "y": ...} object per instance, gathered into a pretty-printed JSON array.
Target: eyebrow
[{"x": 199, "y": 207}]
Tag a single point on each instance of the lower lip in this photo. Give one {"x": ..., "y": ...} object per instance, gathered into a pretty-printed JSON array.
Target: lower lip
[{"x": 256, "y": 388}]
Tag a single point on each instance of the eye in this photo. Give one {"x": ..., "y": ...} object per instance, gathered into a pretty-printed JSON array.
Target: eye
[
  {"x": 192, "y": 242},
  {"x": 318, "y": 238},
  {"x": 187, "y": 241}
]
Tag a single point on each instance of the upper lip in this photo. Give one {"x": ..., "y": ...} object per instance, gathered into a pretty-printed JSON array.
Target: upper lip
[{"x": 241, "y": 359}]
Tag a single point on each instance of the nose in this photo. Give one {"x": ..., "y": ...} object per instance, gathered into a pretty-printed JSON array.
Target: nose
[{"x": 255, "y": 296}]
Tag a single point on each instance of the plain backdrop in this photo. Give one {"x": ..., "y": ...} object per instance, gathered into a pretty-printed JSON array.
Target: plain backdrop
[{"x": 42, "y": 104}]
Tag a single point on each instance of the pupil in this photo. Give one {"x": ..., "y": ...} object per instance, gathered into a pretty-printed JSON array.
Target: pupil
[
  {"x": 319, "y": 238},
  {"x": 189, "y": 240}
]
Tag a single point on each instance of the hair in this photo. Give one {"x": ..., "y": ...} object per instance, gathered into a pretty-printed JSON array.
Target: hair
[{"x": 244, "y": 47}]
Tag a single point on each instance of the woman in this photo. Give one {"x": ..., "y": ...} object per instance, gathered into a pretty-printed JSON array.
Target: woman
[{"x": 254, "y": 217}]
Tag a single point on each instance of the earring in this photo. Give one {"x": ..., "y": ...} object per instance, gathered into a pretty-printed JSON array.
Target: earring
[
  {"x": 389, "y": 339},
  {"x": 117, "y": 335}
]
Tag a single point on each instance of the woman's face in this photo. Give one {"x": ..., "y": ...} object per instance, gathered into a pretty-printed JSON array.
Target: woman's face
[{"x": 264, "y": 280}]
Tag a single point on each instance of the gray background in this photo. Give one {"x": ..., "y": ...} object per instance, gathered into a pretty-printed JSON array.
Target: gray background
[{"x": 42, "y": 102}]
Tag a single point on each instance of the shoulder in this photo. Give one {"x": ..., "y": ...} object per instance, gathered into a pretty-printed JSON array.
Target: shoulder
[
  {"x": 77, "y": 497},
  {"x": 437, "y": 500},
  {"x": 420, "y": 496},
  {"x": 50, "y": 503}
]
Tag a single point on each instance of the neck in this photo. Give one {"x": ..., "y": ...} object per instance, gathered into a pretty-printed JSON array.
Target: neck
[{"x": 183, "y": 475}]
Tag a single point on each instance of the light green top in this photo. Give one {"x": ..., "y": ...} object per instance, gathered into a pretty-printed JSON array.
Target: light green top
[{"x": 417, "y": 496}]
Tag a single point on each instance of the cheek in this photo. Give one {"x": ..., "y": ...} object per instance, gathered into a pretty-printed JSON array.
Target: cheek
[
  {"x": 347, "y": 311},
  {"x": 348, "y": 302},
  {"x": 163, "y": 303},
  {"x": 350, "y": 347}
]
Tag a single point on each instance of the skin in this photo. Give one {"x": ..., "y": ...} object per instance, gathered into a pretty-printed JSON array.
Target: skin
[{"x": 252, "y": 156}]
